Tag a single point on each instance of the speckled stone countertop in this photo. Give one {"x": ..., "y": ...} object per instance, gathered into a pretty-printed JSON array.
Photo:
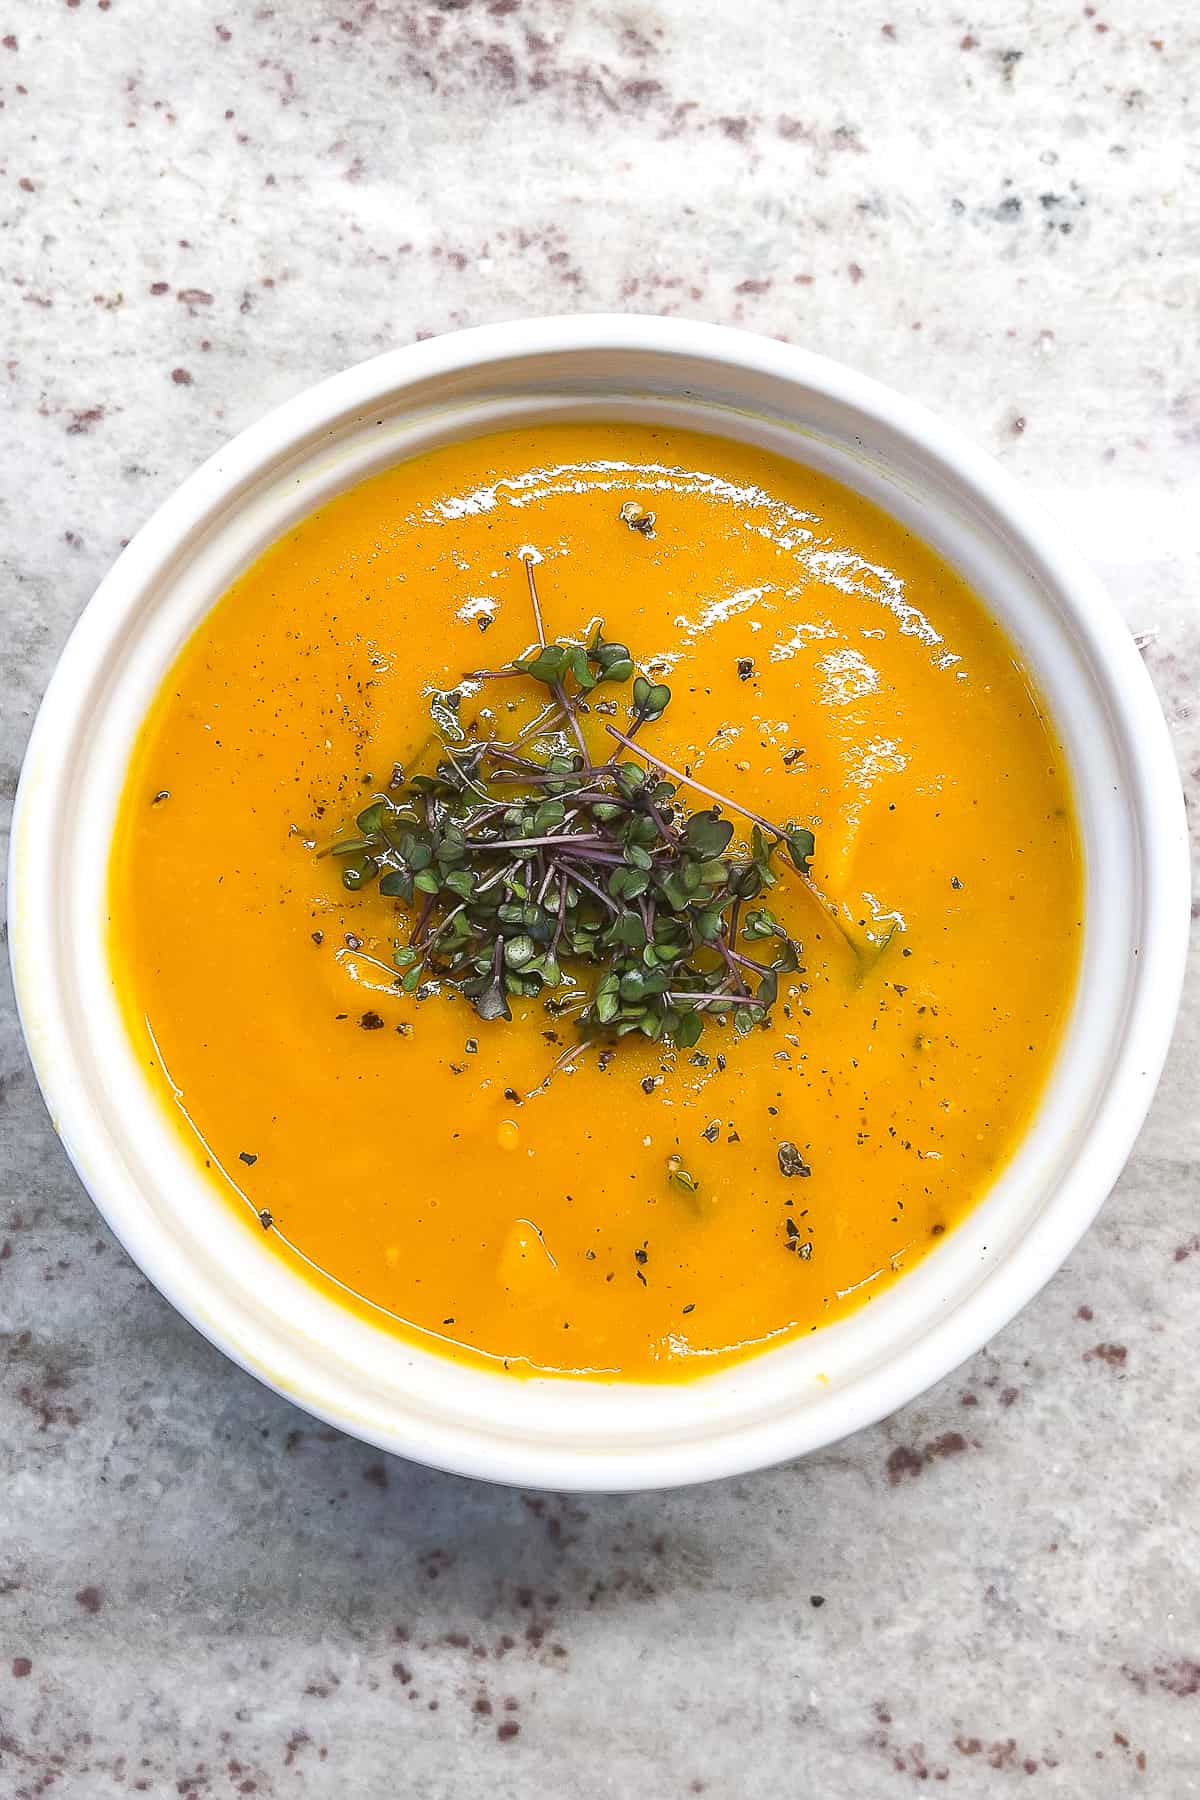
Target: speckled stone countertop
[{"x": 203, "y": 208}]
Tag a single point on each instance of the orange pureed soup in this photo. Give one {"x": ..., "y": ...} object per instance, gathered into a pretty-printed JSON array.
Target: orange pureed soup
[{"x": 826, "y": 668}]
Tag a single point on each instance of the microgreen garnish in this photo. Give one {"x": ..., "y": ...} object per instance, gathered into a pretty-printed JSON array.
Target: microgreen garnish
[{"x": 531, "y": 869}]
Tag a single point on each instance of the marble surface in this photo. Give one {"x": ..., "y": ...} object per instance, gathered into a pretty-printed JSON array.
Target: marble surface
[{"x": 205, "y": 207}]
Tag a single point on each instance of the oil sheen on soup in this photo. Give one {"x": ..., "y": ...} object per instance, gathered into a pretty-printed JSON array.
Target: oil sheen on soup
[{"x": 464, "y": 1182}]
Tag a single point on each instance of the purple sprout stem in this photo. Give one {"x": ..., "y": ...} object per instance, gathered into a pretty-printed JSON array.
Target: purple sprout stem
[
  {"x": 422, "y": 920},
  {"x": 690, "y": 781},
  {"x": 533, "y": 599},
  {"x": 612, "y": 858},
  {"x": 533, "y": 842},
  {"x": 562, "y": 916},
  {"x": 731, "y": 962},
  {"x": 717, "y": 999},
  {"x": 581, "y": 880}
]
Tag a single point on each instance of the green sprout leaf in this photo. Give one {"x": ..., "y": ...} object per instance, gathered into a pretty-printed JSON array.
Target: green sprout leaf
[
  {"x": 707, "y": 834},
  {"x": 801, "y": 846}
]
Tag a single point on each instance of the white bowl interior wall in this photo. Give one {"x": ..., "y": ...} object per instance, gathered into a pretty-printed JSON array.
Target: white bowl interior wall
[{"x": 225, "y": 1278}]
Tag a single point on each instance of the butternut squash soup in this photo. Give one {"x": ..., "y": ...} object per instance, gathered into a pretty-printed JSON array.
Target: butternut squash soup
[{"x": 600, "y": 900}]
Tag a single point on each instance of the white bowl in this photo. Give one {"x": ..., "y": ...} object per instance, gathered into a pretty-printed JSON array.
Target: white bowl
[{"x": 223, "y": 1278}]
